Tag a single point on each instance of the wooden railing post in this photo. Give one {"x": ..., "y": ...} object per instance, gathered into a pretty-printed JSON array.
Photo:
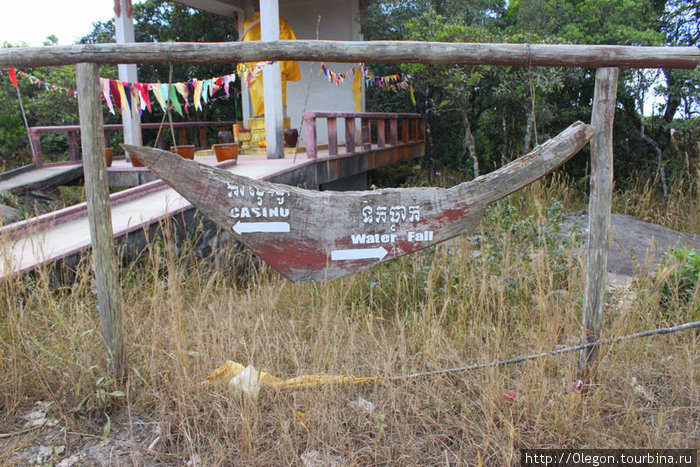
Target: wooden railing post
[
  {"x": 73, "y": 146},
  {"x": 203, "y": 137},
  {"x": 182, "y": 136},
  {"x": 598, "y": 216},
  {"x": 332, "y": 136},
  {"x": 310, "y": 129},
  {"x": 366, "y": 134},
  {"x": 404, "y": 130},
  {"x": 393, "y": 132},
  {"x": 381, "y": 132},
  {"x": 99, "y": 213},
  {"x": 350, "y": 135},
  {"x": 35, "y": 145}
]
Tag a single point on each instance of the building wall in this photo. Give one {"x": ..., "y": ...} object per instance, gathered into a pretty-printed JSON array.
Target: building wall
[{"x": 339, "y": 21}]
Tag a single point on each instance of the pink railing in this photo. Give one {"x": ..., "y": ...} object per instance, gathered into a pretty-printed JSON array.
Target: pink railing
[
  {"x": 391, "y": 129},
  {"x": 72, "y": 130}
]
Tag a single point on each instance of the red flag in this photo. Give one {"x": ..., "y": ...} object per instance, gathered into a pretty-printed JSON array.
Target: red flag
[
  {"x": 13, "y": 76},
  {"x": 143, "y": 90},
  {"x": 114, "y": 91}
]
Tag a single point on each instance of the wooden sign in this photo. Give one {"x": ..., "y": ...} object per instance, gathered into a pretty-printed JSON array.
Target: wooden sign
[{"x": 311, "y": 235}]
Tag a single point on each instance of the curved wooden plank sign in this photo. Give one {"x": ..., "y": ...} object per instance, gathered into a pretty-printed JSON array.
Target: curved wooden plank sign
[{"x": 310, "y": 235}]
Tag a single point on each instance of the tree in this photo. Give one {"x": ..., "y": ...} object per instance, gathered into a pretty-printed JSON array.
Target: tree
[{"x": 47, "y": 99}]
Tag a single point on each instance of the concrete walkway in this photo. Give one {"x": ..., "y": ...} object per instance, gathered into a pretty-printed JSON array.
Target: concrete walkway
[{"x": 57, "y": 235}]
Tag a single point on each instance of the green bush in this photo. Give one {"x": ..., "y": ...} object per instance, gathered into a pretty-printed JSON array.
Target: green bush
[{"x": 684, "y": 281}]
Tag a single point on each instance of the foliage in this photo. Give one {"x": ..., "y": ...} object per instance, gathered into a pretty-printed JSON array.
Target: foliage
[
  {"x": 507, "y": 232},
  {"x": 42, "y": 107},
  {"x": 497, "y": 113},
  {"x": 684, "y": 280}
]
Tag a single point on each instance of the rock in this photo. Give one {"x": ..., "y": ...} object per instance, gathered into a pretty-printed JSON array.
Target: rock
[
  {"x": 635, "y": 247},
  {"x": 8, "y": 215}
]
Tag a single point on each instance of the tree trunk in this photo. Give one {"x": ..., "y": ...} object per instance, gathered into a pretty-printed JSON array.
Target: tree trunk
[
  {"x": 528, "y": 130},
  {"x": 657, "y": 150},
  {"x": 504, "y": 127},
  {"x": 470, "y": 143}
]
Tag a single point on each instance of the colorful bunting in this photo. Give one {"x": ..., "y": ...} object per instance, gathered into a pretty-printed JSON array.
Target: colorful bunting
[
  {"x": 338, "y": 78},
  {"x": 389, "y": 82},
  {"x": 125, "y": 96}
]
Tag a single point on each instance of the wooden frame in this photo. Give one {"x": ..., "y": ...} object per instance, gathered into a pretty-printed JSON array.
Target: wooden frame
[{"x": 606, "y": 57}]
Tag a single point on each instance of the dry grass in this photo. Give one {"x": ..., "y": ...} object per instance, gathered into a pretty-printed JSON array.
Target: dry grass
[{"x": 449, "y": 306}]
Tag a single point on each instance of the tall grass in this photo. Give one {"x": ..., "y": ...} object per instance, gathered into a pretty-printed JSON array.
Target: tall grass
[{"x": 512, "y": 288}]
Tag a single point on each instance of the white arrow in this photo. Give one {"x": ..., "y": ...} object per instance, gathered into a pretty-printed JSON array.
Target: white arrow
[
  {"x": 252, "y": 227},
  {"x": 359, "y": 253}
]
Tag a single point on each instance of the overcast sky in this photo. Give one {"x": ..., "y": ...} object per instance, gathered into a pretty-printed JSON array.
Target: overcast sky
[{"x": 32, "y": 21}]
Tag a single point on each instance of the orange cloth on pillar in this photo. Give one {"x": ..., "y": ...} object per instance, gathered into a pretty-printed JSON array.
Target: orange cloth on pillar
[{"x": 290, "y": 69}]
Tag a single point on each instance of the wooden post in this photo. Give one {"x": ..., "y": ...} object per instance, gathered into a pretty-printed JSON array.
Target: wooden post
[
  {"x": 393, "y": 131},
  {"x": 349, "y": 135},
  {"x": 203, "y": 137},
  {"x": 366, "y": 134},
  {"x": 272, "y": 82},
  {"x": 404, "y": 130},
  {"x": 35, "y": 141},
  {"x": 124, "y": 34},
  {"x": 310, "y": 128},
  {"x": 381, "y": 132},
  {"x": 598, "y": 216},
  {"x": 99, "y": 213},
  {"x": 73, "y": 146},
  {"x": 332, "y": 136}
]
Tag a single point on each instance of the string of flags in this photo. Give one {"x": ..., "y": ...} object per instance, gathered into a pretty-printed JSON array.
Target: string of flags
[
  {"x": 338, "y": 78},
  {"x": 389, "y": 82},
  {"x": 137, "y": 96},
  {"x": 124, "y": 96},
  {"x": 14, "y": 73},
  {"x": 248, "y": 73}
]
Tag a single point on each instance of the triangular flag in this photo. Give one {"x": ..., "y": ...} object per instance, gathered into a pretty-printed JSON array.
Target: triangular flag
[
  {"x": 155, "y": 87},
  {"x": 197, "y": 95},
  {"x": 114, "y": 90},
  {"x": 144, "y": 95},
  {"x": 174, "y": 101},
  {"x": 129, "y": 96},
  {"x": 104, "y": 84},
  {"x": 13, "y": 77},
  {"x": 122, "y": 97},
  {"x": 226, "y": 85},
  {"x": 182, "y": 90},
  {"x": 205, "y": 90}
]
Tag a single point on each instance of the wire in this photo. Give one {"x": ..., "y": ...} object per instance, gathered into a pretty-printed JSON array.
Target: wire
[
  {"x": 232, "y": 369},
  {"x": 611, "y": 340}
]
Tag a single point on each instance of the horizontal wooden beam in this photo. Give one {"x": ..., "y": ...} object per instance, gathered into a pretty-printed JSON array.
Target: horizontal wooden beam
[
  {"x": 353, "y": 52},
  {"x": 375, "y": 115}
]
